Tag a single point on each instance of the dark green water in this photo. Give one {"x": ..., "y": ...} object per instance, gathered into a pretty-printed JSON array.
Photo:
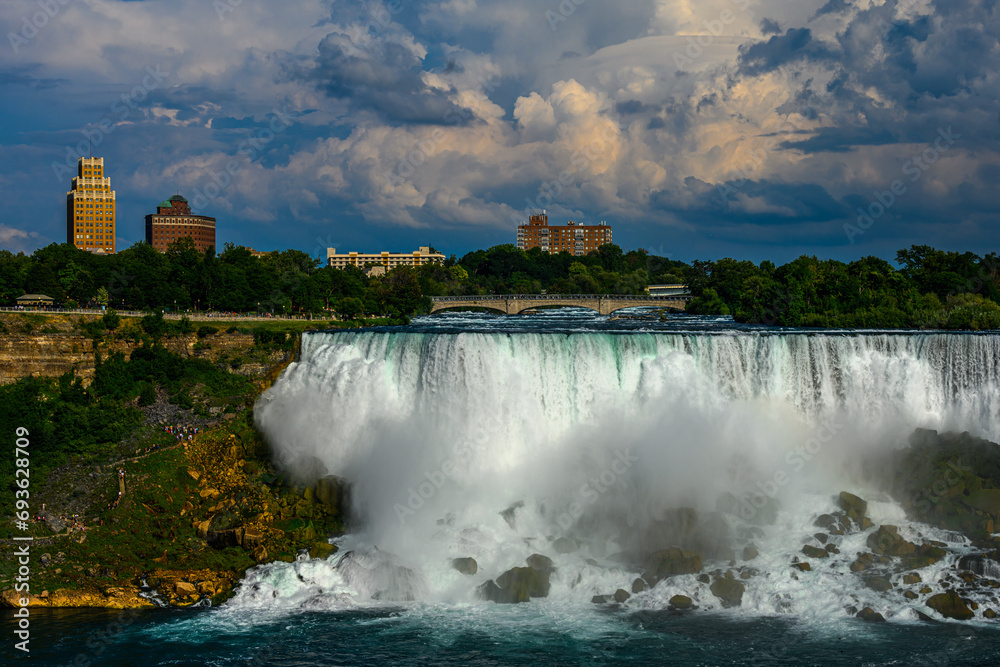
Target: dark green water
[{"x": 533, "y": 634}]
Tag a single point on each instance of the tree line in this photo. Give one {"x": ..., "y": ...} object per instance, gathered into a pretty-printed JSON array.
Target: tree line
[
  {"x": 183, "y": 279},
  {"x": 930, "y": 289}
]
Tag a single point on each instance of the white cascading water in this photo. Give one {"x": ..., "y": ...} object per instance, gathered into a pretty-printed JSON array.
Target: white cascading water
[{"x": 596, "y": 438}]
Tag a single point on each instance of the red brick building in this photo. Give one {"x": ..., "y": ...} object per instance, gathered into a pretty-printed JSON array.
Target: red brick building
[
  {"x": 173, "y": 220},
  {"x": 574, "y": 238}
]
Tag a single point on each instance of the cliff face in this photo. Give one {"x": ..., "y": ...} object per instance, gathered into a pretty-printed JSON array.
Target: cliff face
[
  {"x": 45, "y": 355},
  {"x": 52, "y": 355}
]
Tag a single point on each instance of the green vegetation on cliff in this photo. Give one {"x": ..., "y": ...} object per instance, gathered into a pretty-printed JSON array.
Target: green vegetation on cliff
[{"x": 195, "y": 513}]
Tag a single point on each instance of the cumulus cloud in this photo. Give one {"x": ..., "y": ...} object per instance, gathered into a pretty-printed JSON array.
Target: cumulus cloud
[{"x": 462, "y": 114}]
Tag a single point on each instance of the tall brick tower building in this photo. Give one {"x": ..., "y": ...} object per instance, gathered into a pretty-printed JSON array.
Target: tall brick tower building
[{"x": 90, "y": 208}]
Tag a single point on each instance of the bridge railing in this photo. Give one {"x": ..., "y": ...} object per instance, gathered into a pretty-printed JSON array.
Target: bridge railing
[{"x": 561, "y": 297}]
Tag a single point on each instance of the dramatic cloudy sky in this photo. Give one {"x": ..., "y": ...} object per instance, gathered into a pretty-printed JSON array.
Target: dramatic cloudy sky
[{"x": 697, "y": 128}]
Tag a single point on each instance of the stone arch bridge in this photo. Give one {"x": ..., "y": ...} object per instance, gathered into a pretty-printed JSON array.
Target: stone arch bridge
[{"x": 512, "y": 304}]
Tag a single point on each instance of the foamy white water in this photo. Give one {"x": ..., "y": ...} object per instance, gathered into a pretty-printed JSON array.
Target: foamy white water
[{"x": 596, "y": 438}]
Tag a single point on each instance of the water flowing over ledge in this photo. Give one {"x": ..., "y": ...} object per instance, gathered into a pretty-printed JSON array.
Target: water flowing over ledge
[{"x": 585, "y": 447}]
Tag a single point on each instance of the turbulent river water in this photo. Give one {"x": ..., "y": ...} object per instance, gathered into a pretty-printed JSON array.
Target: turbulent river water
[{"x": 584, "y": 438}]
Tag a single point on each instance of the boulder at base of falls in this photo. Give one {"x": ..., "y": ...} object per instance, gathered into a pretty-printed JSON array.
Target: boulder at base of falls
[
  {"x": 877, "y": 583},
  {"x": 638, "y": 585},
  {"x": 540, "y": 563},
  {"x": 886, "y": 540},
  {"x": 870, "y": 615},
  {"x": 465, "y": 565},
  {"x": 518, "y": 584},
  {"x": 668, "y": 562},
  {"x": 854, "y": 506},
  {"x": 815, "y": 552},
  {"x": 681, "y": 602},
  {"x": 729, "y": 591},
  {"x": 621, "y": 595},
  {"x": 950, "y": 605}
]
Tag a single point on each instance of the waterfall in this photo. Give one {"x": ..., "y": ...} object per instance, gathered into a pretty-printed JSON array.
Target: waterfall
[{"x": 495, "y": 445}]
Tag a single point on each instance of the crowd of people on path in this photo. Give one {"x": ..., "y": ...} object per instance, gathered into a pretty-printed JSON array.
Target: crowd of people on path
[{"x": 182, "y": 432}]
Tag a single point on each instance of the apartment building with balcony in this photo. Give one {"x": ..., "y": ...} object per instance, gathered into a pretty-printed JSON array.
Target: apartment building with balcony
[
  {"x": 385, "y": 259},
  {"x": 173, "y": 220},
  {"x": 573, "y": 237}
]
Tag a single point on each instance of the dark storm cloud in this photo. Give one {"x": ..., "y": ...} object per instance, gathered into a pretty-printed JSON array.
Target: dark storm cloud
[
  {"x": 386, "y": 79},
  {"x": 716, "y": 204},
  {"x": 630, "y": 107},
  {"x": 832, "y": 7},
  {"x": 770, "y": 27},
  {"x": 842, "y": 139},
  {"x": 796, "y": 45}
]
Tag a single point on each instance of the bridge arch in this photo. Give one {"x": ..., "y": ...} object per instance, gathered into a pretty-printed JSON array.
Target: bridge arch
[
  {"x": 454, "y": 307},
  {"x": 513, "y": 304}
]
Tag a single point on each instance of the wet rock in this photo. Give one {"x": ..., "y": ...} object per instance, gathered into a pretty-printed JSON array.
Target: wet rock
[
  {"x": 815, "y": 552},
  {"x": 601, "y": 599},
  {"x": 184, "y": 589},
  {"x": 910, "y": 595},
  {"x": 911, "y": 578},
  {"x": 669, "y": 562},
  {"x": 322, "y": 550},
  {"x": 540, "y": 563},
  {"x": 638, "y": 586},
  {"x": 805, "y": 567},
  {"x": 518, "y": 584},
  {"x": 886, "y": 541},
  {"x": 729, "y": 591},
  {"x": 681, "y": 602},
  {"x": 854, "y": 506},
  {"x": 877, "y": 583},
  {"x": 465, "y": 565},
  {"x": 825, "y": 521},
  {"x": 621, "y": 595},
  {"x": 950, "y": 605},
  {"x": 252, "y": 538},
  {"x": 870, "y": 615},
  {"x": 821, "y": 537},
  {"x": 990, "y": 614},
  {"x": 927, "y": 554},
  {"x": 750, "y": 552},
  {"x": 703, "y": 578}
]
